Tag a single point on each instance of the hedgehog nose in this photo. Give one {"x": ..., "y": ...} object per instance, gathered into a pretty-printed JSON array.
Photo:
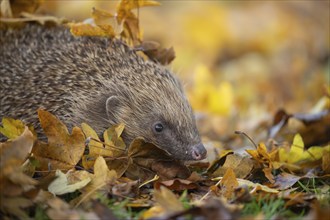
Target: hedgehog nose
[{"x": 198, "y": 152}]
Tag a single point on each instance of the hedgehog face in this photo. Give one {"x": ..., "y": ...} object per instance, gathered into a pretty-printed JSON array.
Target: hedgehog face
[
  {"x": 173, "y": 130},
  {"x": 181, "y": 142}
]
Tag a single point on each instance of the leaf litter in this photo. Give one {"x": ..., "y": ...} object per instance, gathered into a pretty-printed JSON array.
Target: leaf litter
[{"x": 143, "y": 177}]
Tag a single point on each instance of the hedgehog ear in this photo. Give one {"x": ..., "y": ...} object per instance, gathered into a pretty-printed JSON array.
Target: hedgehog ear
[{"x": 111, "y": 105}]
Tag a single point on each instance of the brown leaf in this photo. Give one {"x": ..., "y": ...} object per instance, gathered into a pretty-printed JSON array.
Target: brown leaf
[
  {"x": 176, "y": 184},
  {"x": 228, "y": 183},
  {"x": 146, "y": 157},
  {"x": 126, "y": 188},
  {"x": 326, "y": 163},
  {"x": 167, "y": 200},
  {"x": 15, "y": 152},
  {"x": 242, "y": 166},
  {"x": 170, "y": 169},
  {"x": 63, "y": 150}
]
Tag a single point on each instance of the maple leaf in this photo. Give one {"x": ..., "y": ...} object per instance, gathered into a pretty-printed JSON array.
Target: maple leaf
[{"x": 63, "y": 150}]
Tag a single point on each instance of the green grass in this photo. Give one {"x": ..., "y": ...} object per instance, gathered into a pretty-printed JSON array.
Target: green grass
[
  {"x": 320, "y": 188},
  {"x": 120, "y": 208},
  {"x": 269, "y": 207},
  {"x": 40, "y": 214}
]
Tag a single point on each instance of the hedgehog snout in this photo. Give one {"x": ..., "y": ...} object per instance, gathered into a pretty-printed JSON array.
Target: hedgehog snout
[{"x": 198, "y": 152}]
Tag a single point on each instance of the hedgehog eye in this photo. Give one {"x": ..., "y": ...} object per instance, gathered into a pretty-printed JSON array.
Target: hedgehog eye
[{"x": 158, "y": 127}]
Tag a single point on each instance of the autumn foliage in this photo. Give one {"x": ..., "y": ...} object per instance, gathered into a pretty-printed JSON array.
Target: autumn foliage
[{"x": 282, "y": 163}]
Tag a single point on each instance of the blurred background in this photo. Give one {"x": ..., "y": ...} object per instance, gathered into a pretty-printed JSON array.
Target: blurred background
[{"x": 240, "y": 61}]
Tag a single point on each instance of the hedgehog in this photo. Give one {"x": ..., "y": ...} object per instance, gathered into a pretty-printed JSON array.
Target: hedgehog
[{"x": 95, "y": 80}]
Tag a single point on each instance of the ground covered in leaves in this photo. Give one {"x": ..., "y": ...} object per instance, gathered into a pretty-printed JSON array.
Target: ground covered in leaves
[{"x": 258, "y": 80}]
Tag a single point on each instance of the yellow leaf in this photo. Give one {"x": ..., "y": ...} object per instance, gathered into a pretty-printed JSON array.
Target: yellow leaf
[
  {"x": 102, "y": 179},
  {"x": 167, "y": 200},
  {"x": 82, "y": 29},
  {"x": 112, "y": 137},
  {"x": 297, "y": 154},
  {"x": 127, "y": 5},
  {"x": 153, "y": 212},
  {"x": 12, "y": 128},
  {"x": 96, "y": 147}
]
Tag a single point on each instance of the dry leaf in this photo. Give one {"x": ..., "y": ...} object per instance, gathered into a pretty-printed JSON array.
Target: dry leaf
[
  {"x": 228, "y": 183},
  {"x": 83, "y": 29},
  {"x": 63, "y": 150},
  {"x": 167, "y": 200},
  {"x": 145, "y": 157},
  {"x": 95, "y": 146},
  {"x": 112, "y": 137},
  {"x": 102, "y": 181},
  {"x": 176, "y": 184},
  {"x": 62, "y": 186},
  {"x": 242, "y": 166},
  {"x": 297, "y": 155},
  {"x": 12, "y": 128}
]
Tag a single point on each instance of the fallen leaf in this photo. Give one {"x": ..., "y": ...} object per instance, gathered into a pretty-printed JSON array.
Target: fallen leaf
[
  {"x": 102, "y": 181},
  {"x": 63, "y": 150},
  {"x": 127, "y": 188},
  {"x": 95, "y": 146},
  {"x": 61, "y": 185},
  {"x": 242, "y": 182},
  {"x": 12, "y": 128},
  {"x": 167, "y": 200},
  {"x": 297, "y": 155},
  {"x": 83, "y": 29},
  {"x": 12, "y": 178},
  {"x": 112, "y": 137},
  {"x": 176, "y": 184},
  {"x": 285, "y": 180},
  {"x": 145, "y": 159},
  {"x": 228, "y": 183},
  {"x": 326, "y": 163},
  {"x": 242, "y": 166}
]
